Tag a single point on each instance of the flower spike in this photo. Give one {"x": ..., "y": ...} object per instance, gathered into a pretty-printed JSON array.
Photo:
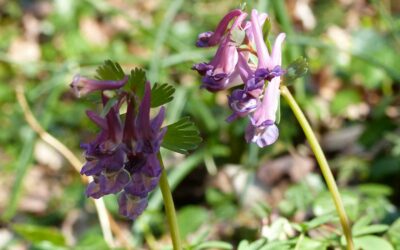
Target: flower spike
[
  {"x": 123, "y": 157},
  {"x": 233, "y": 65}
]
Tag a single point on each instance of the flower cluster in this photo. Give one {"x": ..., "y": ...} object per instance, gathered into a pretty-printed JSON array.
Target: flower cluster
[
  {"x": 123, "y": 158},
  {"x": 242, "y": 57}
]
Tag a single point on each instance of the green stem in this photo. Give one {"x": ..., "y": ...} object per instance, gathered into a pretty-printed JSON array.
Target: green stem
[
  {"x": 299, "y": 241},
  {"x": 323, "y": 164},
  {"x": 169, "y": 207}
]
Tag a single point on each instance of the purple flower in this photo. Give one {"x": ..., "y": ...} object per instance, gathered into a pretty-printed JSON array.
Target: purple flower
[
  {"x": 145, "y": 171},
  {"x": 262, "y": 17},
  {"x": 262, "y": 129},
  {"x": 149, "y": 133},
  {"x": 83, "y": 86},
  {"x": 106, "y": 152},
  {"x": 263, "y": 135},
  {"x": 131, "y": 206},
  {"x": 233, "y": 64},
  {"x": 108, "y": 183},
  {"x": 123, "y": 157},
  {"x": 242, "y": 103},
  {"x": 209, "y": 38},
  {"x": 203, "y": 68},
  {"x": 246, "y": 100},
  {"x": 145, "y": 177},
  {"x": 223, "y": 71}
]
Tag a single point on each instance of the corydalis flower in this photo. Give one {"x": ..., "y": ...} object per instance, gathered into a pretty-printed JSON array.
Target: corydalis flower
[
  {"x": 233, "y": 65},
  {"x": 210, "y": 38},
  {"x": 246, "y": 100},
  {"x": 83, "y": 86},
  {"x": 222, "y": 72},
  {"x": 262, "y": 129},
  {"x": 123, "y": 157}
]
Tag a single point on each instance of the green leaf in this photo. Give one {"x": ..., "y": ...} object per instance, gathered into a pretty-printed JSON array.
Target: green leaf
[
  {"x": 91, "y": 239},
  {"x": 110, "y": 70},
  {"x": 190, "y": 218},
  {"x": 257, "y": 244},
  {"x": 373, "y": 189},
  {"x": 311, "y": 244},
  {"x": 181, "y": 136},
  {"x": 261, "y": 209},
  {"x": 136, "y": 81},
  {"x": 221, "y": 203},
  {"x": 361, "y": 223},
  {"x": 161, "y": 94},
  {"x": 296, "y": 69},
  {"x": 363, "y": 227},
  {"x": 138, "y": 76},
  {"x": 38, "y": 234},
  {"x": 320, "y": 220},
  {"x": 343, "y": 99},
  {"x": 243, "y": 245},
  {"x": 213, "y": 245},
  {"x": 371, "y": 242},
  {"x": 394, "y": 233},
  {"x": 323, "y": 204},
  {"x": 372, "y": 229},
  {"x": 277, "y": 245}
]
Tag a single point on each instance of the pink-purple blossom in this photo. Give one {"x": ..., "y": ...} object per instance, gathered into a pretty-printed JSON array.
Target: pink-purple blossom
[
  {"x": 233, "y": 65},
  {"x": 82, "y": 85}
]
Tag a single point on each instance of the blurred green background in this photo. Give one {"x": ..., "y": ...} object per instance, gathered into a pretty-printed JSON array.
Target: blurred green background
[{"x": 226, "y": 190}]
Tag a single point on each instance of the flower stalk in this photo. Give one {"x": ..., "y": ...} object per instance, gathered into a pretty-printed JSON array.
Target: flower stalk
[
  {"x": 169, "y": 207},
  {"x": 323, "y": 164}
]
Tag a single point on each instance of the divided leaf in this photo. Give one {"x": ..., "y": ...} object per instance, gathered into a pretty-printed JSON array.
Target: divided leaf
[
  {"x": 161, "y": 94},
  {"x": 110, "y": 70},
  {"x": 181, "y": 136},
  {"x": 296, "y": 69},
  {"x": 137, "y": 80}
]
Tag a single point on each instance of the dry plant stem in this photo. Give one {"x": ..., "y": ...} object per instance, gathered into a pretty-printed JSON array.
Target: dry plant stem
[
  {"x": 169, "y": 208},
  {"x": 323, "y": 164},
  {"x": 107, "y": 223}
]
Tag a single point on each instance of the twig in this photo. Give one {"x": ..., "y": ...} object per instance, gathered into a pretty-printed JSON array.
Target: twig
[{"x": 107, "y": 223}]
